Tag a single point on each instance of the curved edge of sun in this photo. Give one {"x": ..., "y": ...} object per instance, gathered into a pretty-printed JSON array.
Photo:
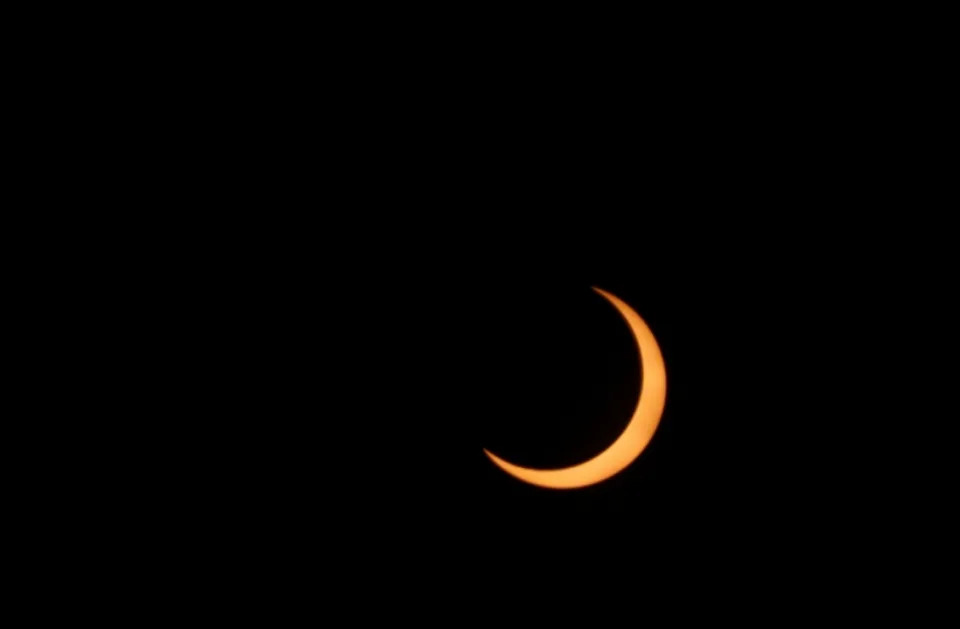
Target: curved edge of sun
[{"x": 634, "y": 438}]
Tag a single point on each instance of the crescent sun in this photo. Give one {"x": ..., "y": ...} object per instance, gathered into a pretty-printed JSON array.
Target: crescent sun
[{"x": 637, "y": 434}]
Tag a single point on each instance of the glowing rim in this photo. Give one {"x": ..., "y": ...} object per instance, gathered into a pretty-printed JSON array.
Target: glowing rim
[{"x": 637, "y": 434}]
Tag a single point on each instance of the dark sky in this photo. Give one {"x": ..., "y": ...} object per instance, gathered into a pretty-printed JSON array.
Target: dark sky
[
  {"x": 379, "y": 372},
  {"x": 412, "y": 298},
  {"x": 364, "y": 266}
]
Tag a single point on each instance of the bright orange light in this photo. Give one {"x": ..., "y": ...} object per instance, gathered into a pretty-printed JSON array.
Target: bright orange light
[{"x": 637, "y": 434}]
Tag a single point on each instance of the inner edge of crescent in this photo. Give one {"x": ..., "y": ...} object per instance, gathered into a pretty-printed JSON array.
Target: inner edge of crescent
[{"x": 635, "y": 437}]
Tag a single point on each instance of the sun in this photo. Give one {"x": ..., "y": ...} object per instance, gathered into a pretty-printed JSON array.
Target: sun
[{"x": 635, "y": 437}]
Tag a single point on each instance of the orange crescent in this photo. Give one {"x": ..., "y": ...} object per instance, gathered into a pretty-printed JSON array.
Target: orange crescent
[{"x": 637, "y": 434}]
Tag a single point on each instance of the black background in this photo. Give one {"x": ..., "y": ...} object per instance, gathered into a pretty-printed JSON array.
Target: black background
[
  {"x": 363, "y": 382},
  {"x": 337, "y": 268},
  {"x": 382, "y": 292}
]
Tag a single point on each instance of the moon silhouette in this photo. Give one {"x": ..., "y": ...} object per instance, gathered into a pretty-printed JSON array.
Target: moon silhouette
[{"x": 637, "y": 434}]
